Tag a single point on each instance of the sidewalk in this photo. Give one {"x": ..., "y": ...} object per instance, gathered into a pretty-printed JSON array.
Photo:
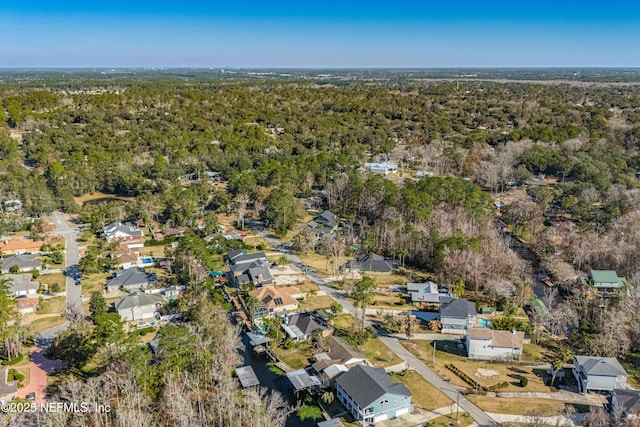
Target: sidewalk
[{"x": 562, "y": 395}]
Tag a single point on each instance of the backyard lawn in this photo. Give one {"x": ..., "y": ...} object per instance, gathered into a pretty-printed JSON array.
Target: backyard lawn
[{"x": 297, "y": 356}]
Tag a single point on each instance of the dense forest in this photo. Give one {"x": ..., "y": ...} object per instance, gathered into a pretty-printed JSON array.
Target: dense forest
[{"x": 552, "y": 167}]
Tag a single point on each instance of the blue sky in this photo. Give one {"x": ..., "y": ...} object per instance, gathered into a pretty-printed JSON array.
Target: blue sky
[{"x": 329, "y": 33}]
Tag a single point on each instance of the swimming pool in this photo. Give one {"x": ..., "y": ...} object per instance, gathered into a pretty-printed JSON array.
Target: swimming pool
[{"x": 484, "y": 323}]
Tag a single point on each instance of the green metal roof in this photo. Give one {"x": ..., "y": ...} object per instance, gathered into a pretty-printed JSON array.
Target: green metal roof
[
  {"x": 607, "y": 279},
  {"x": 539, "y": 307}
]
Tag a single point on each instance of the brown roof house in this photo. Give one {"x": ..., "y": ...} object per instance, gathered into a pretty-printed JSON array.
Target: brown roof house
[
  {"x": 489, "y": 344},
  {"x": 20, "y": 245},
  {"x": 275, "y": 300}
]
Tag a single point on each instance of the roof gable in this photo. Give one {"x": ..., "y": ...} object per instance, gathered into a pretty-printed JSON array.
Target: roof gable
[
  {"x": 458, "y": 308},
  {"x": 365, "y": 385},
  {"x": 604, "y": 366}
]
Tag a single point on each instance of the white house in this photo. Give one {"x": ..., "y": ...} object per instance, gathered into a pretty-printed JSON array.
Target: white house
[
  {"x": 383, "y": 168},
  {"x": 489, "y": 344},
  {"x": 138, "y": 306},
  {"x": 457, "y": 316},
  {"x": 598, "y": 373},
  {"x": 121, "y": 231}
]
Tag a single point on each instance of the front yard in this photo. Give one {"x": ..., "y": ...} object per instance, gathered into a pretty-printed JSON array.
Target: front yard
[
  {"x": 448, "y": 352},
  {"x": 519, "y": 406},
  {"x": 423, "y": 394}
]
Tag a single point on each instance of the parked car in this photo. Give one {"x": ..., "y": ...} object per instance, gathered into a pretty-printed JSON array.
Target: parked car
[{"x": 142, "y": 324}]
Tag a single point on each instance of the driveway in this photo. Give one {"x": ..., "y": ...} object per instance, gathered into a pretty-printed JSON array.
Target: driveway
[{"x": 39, "y": 369}]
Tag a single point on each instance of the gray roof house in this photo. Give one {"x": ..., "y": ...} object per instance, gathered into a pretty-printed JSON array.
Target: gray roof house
[
  {"x": 369, "y": 264},
  {"x": 131, "y": 279},
  {"x": 25, "y": 262},
  {"x": 324, "y": 224},
  {"x": 138, "y": 306},
  {"x": 427, "y": 292},
  {"x": 598, "y": 373},
  {"x": 121, "y": 231},
  {"x": 301, "y": 326},
  {"x": 626, "y": 402},
  {"x": 21, "y": 284},
  {"x": 457, "y": 316},
  {"x": 370, "y": 395},
  {"x": 240, "y": 256},
  {"x": 256, "y": 272}
]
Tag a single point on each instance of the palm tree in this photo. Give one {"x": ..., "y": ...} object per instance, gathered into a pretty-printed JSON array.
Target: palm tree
[
  {"x": 558, "y": 361},
  {"x": 328, "y": 397}
]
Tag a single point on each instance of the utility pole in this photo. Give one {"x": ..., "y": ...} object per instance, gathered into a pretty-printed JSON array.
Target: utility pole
[{"x": 434, "y": 354}]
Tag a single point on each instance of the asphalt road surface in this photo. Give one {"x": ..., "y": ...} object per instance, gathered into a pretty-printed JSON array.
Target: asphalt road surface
[{"x": 74, "y": 291}]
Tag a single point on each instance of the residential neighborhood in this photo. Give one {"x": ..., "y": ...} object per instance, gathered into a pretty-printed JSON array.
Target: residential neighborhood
[{"x": 390, "y": 248}]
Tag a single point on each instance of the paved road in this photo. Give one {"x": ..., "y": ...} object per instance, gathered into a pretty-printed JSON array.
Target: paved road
[
  {"x": 480, "y": 417},
  {"x": 476, "y": 413},
  {"x": 70, "y": 235}
]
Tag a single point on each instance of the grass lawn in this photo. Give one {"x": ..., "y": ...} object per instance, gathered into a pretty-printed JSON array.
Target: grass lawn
[
  {"x": 450, "y": 353},
  {"x": 152, "y": 251},
  {"x": 391, "y": 301},
  {"x": 536, "y": 353},
  {"x": 315, "y": 303},
  {"x": 50, "y": 279},
  {"x": 52, "y": 305},
  {"x": 45, "y": 323},
  {"x": 93, "y": 282},
  {"x": 27, "y": 376},
  {"x": 464, "y": 420},
  {"x": 423, "y": 394},
  {"x": 379, "y": 354},
  {"x": 318, "y": 263},
  {"x": 541, "y": 407},
  {"x": 297, "y": 356}
]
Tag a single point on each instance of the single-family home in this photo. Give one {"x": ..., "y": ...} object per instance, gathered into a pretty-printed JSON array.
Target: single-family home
[
  {"x": 489, "y": 344},
  {"x": 339, "y": 358},
  {"x": 240, "y": 256},
  {"x": 8, "y": 389},
  {"x": 598, "y": 373},
  {"x": 138, "y": 305},
  {"x": 302, "y": 326},
  {"x": 366, "y": 263},
  {"x": 370, "y": 395},
  {"x": 121, "y": 231},
  {"x": 26, "y": 305},
  {"x": 323, "y": 225},
  {"x": 21, "y": 284},
  {"x": 382, "y": 168},
  {"x": 604, "y": 280},
  {"x": 274, "y": 300},
  {"x": 256, "y": 272},
  {"x": 24, "y": 262},
  {"x": 131, "y": 279},
  {"x": 20, "y": 245},
  {"x": 626, "y": 403},
  {"x": 427, "y": 293},
  {"x": 457, "y": 316}
]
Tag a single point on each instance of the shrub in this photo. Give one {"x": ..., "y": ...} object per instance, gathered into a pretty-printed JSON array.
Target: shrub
[
  {"x": 14, "y": 375},
  {"x": 309, "y": 412},
  {"x": 524, "y": 381},
  {"x": 13, "y": 361},
  {"x": 35, "y": 274},
  {"x": 498, "y": 386}
]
